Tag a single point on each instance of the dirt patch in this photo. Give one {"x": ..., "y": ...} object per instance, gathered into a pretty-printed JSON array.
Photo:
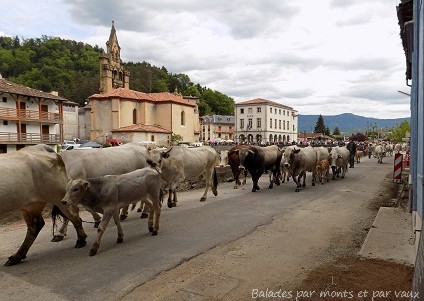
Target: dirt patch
[{"x": 354, "y": 278}]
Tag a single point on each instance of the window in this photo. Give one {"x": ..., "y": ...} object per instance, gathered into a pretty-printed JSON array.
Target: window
[
  {"x": 241, "y": 123},
  {"x": 279, "y": 124},
  {"x": 258, "y": 123},
  {"x": 284, "y": 125},
  {"x": 4, "y": 99},
  {"x": 5, "y": 122},
  {"x": 258, "y": 109},
  {"x": 249, "y": 110},
  {"x": 270, "y": 110},
  {"x": 284, "y": 112},
  {"x": 275, "y": 123},
  {"x": 288, "y": 126},
  {"x": 249, "y": 123},
  {"x": 182, "y": 118},
  {"x": 152, "y": 138},
  {"x": 134, "y": 116},
  {"x": 279, "y": 111},
  {"x": 241, "y": 111},
  {"x": 270, "y": 123},
  {"x": 275, "y": 111}
]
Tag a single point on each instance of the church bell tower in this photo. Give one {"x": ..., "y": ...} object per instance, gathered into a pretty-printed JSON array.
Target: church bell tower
[{"x": 112, "y": 73}]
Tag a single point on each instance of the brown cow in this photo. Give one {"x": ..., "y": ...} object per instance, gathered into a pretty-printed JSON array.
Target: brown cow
[
  {"x": 323, "y": 169},
  {"x": 234, "y": 162}
]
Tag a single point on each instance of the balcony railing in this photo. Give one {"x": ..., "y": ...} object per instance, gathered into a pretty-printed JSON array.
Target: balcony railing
[
  {"x": 29, "y": 115},
  {"x": 29, "y": 138}
]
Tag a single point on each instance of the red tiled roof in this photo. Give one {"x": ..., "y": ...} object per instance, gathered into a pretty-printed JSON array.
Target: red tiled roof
[
  {"x": 143, "y": 128},
  {"x": 9, "y": 87},
  {"x": 136, "y": 95},
  {"x": 262, "y": 101},
  {"x": 123, "y": 93},
  {"x": 170, "y": 97}
]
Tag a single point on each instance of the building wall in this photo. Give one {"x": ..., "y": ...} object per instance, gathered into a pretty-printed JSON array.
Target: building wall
[
  {"x": 274, "y": 120},
  {"x": 101, "y": 120},
  {"x": 185, "y": 127},
  {"x": 70, "y": 122}
]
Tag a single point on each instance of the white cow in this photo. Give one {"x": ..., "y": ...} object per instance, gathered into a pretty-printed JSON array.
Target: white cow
[
  {"x": 339, "y": 159},
  {"x": 96, "y": 162},
  {"x": 29, "y": 179},
  {"x": 299, "y": 161},
  {"x": 379, "y": 151},
  {"x": 180, "y": 163},
  {"x": 108, "y": 194}
]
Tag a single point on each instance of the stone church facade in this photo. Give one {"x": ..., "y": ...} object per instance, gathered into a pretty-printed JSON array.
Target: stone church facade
[{"x": 118, "y": 112}]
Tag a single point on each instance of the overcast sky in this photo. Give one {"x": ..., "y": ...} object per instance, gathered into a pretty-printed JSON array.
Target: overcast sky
[{"x": 318, "y": 56}]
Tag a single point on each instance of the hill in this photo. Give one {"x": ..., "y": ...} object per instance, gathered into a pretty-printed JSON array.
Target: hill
[{"x": 347, "y": 122}]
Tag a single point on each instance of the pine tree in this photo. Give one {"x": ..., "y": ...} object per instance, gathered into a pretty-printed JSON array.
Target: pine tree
[
  {"x": 336, "y": 131},
  {"x": 320, "y": 126}
]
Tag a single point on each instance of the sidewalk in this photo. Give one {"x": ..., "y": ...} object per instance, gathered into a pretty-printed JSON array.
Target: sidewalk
[{"x": 390, "y": 237}]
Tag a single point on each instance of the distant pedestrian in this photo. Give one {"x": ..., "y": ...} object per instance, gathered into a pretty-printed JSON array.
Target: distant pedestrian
[{"x": 351, "y": 146}]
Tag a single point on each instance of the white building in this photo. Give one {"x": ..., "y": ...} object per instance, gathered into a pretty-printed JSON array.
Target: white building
[{"x": 264, "y": 121}]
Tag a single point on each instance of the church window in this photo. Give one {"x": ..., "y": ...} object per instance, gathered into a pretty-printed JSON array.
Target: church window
[
  {"x": 134, "y": 116},
  {"x": 182, "y": 118}
]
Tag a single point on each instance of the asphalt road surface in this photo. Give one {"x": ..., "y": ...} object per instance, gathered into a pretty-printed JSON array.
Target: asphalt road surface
[{"x": 58, "y": 271}]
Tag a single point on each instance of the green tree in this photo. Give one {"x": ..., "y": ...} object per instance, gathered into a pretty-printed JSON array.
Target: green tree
[
  {"x": 320, "y": 125},
  {"x": 336, "y": 131},
  {"x": 400, "y": 131},
  {"x": 176, "y": 138}
]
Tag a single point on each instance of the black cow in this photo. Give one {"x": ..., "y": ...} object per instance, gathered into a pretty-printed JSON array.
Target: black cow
[{"x": 258, "y": 160}]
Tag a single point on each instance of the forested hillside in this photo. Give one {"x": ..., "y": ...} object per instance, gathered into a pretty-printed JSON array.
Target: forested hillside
[{"x": 72, "y": 69}]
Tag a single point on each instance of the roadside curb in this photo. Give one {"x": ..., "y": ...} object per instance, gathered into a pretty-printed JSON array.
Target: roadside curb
[{"x": 390, "y": 237}]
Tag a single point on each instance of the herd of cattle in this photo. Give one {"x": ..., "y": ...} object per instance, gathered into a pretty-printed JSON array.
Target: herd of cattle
[{"x": 108, "y": 180}]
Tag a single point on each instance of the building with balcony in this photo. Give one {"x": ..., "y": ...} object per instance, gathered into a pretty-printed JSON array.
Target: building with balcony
[
  {"x": 264, "y": 121},
  {"x": 29, "y": 116},
  {"x": 216, "y": 128}
]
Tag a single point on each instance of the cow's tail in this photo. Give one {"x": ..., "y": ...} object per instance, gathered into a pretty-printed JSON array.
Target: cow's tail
[
  {"x": 56, "y": 214},
  {"x": 215, "y": 182}
]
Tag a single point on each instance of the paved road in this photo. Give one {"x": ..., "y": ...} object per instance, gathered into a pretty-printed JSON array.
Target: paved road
[{"x": 57, "y": 271}]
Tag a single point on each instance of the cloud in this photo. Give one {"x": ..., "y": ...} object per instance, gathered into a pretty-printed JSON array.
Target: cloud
[{"x": 332, "y": 55}]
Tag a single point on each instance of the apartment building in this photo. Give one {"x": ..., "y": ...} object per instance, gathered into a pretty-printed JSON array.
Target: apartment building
[
  {"x": 216, "y": 128},
  {"x": 28, "y": 117},
  {"x": 264, "y": 121}
]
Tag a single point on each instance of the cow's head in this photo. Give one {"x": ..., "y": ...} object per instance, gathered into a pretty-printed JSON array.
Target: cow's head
[
  {"x": 76, "y": 189},
  {"x": 223, "y": 158},
  {"x": 156, "y": 155},
  {"x": 243, "y": 154},
  {"x": 289, "y": 156},
  {"x": 333, "y": 157}
]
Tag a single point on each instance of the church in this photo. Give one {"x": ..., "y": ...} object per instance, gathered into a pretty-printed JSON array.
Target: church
[{"x": 117, "y": 112}]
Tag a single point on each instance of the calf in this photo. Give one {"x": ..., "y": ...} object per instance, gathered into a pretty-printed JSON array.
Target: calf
[
  {"x": 108, "y": 194},
  {"x": 323, "y": 169}
]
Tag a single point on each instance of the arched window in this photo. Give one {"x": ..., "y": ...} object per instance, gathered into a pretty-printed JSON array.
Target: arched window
[
  {"x": 182, "y": 118},
  {"x": 270, "y": 138},
  {"x": 134, "y": 116}
]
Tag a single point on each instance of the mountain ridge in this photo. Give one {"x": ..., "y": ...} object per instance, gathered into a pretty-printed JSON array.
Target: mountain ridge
[{"x": 347, "y": 122}]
